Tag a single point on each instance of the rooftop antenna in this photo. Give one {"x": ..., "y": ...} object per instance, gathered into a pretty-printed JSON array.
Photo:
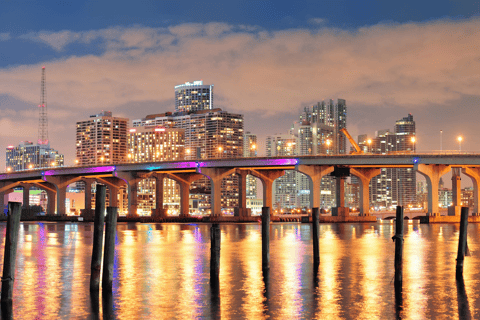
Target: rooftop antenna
[{"x": 42, "y": 120}]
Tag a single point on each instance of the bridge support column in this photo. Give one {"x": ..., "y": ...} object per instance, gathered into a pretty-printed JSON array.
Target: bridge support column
[
  {"x": 454, "y": 209},
  {"x": 315, "y": 175},
  {"x": 88, "y": 195},
  {"x": 2, "y": 203},
  {"x": 432, "y": 174},
  {"x": 474, "y": 174},
  {"x": 364, "y": 176},
  {"x": 61, "y": 183},
  {"x": 184, "y": 180},
  {"x": 340, "y": 209},
  {"x": 51, "y": 195},
  {"x": 159, "y": 211},
  {"x": 216, "y": 176},
  {"x": 268, "y": 177},
  {"x": 113, "y": 196},
  {"x": 242, "y": 210},
  {"x": 26, "y": 196},
  {"x": 132, "y": 179},
  {"x": 113, "y": 185}
]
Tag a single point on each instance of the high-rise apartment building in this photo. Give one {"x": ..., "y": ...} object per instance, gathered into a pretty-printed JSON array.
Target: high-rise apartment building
[
  {"x": 317, "y": 132},
  {"x": 193, "y": 96},
  {"x": 28, "y": 155},
  {"x": 393, "y": 186},
  {"x": 102, "y": 139},
  {"x": 150, "y": 144},
  {"x": 210, "y": 133},
  {"x": 250, "y": 148}
]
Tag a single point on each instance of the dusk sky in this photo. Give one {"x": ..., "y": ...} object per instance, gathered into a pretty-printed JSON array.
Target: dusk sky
[{"x": 266, "y": 59}]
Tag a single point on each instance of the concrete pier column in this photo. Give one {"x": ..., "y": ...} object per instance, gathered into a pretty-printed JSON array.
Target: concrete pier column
[
  {"x": 242, "y": 210},
  {"x": 268, "y": 177},
  {"x": 88, "y": 194},
  {"x": 455, "y": 208},
  {"x": 51, "y": 195},
  {"x": 184, "y": 180},
  {"x": 474, "y": 174},
  {"x": 432, "y": 174},
  {"x": 131, "y": 179},
  {"x": 315, "y": 175},
  {"x": 113, "y": 196},
  {"x": 340, "y": 191},
  {"x": 2, "y": 203},
  {"x": 26, "y": 196},
  {"x": 364, "y": 176},
  {"x": 61, "y": 183},
  {"x": 159, "y": 180},
  {"x": 216, "y": 176}
]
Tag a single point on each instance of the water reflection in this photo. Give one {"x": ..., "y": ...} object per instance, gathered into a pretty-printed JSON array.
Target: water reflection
[{"x": 162, "y": 271}]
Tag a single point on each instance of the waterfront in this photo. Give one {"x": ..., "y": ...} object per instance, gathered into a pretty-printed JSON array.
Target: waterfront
[{"x": 162, "y": 272}]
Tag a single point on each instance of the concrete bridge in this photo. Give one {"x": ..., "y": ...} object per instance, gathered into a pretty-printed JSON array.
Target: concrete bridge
[{"x": 432, "y": 166}]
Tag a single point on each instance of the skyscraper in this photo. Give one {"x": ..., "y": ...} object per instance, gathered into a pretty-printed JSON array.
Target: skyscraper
[
  {"x": 210, "y": 133},
  {"x": 102, "y": 139},
  {"x": 393, "y": 186},
  {"x": 316, "y": 132},
  {"x": 150, "y": 144},
  {"x": 250, "y": 148},
  {"x": 193, "y": 96},
  {"x": 28, "y": 155}
]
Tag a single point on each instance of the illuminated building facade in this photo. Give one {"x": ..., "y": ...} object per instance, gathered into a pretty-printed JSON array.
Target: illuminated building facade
[
  {"x": 150, "y": 144},
  {"x": 102, "y": 139},
  {"x": 193, "y": 96},
  {"x": 28, "y": 155},
  {"x": 250, "y": 148},
  {"x": 393, "y": 186},
  {"x": 209, "y": 134}
]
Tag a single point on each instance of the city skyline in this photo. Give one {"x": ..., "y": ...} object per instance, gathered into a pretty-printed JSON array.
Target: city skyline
[{"x": 422, "y": 61}]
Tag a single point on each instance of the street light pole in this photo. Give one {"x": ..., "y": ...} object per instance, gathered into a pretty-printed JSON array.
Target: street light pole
[{"x": 460, "y": 143}]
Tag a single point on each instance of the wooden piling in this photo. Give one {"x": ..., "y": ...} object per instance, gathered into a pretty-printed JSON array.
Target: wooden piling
[
  {"x": 108, "y": 255},
  {"x": 265, "y": 237},
  {"x": 11, "y": 240},
  {"x": 215, "y": 240},
  {"x": 315, "y": 236},
  {"x": 97, "y": 238},
  {"x": 462, "y": 240},
  {"x": 398, "y": 238}
]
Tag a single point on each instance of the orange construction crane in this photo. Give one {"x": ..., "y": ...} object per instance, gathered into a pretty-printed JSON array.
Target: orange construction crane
[{"x": 354, "y": 144}]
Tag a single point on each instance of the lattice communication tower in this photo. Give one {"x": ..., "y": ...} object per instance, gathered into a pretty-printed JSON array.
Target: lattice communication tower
[{"x": 42, "y": 120}]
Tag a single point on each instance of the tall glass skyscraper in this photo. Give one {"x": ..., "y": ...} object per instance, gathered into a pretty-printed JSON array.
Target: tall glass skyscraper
[{"x": 193, "y": 96}]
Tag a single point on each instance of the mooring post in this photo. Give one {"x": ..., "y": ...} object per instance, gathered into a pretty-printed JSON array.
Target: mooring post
[
  {"x": 11, "y": 240},
  {"x": 398, "y": 238},
  {"x": 97, "y": 238},
  {"x": 265, "y": 237},
  {"x": 215, "y": 239},
  {"x": 315, "y": 235},
  {"x": 108, "y": 255},
  {"x": 462, "y": 240}
]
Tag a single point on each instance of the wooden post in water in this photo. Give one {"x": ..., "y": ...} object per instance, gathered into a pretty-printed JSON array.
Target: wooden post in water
[
  {"x": 462, "y": 241},
  {"x": 215, "y": 239},
  {"x": 398, "y": 238},
  {"x": 108, "y": 255},
  {"x": 11, "y": 240},
  {"x": 265, "y": 237},
  {"x": 97, "y": 238},
  {"x": 315, "y": 235}
]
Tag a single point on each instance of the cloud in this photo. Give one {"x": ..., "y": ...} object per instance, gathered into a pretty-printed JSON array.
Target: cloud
[
  {"x": 412, "y": 66},
  {"x": 4, "y": 36},
  {"x": 316, "y": 21}
]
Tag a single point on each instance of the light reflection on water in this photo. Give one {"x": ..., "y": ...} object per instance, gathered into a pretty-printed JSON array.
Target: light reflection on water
[{"x": 162, "y": 272}]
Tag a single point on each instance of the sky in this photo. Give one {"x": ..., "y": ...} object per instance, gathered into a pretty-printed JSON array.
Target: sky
[{"x": 266, "y": 59}]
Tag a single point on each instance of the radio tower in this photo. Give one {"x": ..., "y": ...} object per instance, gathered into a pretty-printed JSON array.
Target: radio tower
[{"x": 43, "y": 121}]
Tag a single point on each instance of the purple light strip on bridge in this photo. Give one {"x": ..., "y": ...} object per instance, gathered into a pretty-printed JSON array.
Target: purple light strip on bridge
[
  {"x": 83, "y": 170},
  {"x": 180, "y": 165}
]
